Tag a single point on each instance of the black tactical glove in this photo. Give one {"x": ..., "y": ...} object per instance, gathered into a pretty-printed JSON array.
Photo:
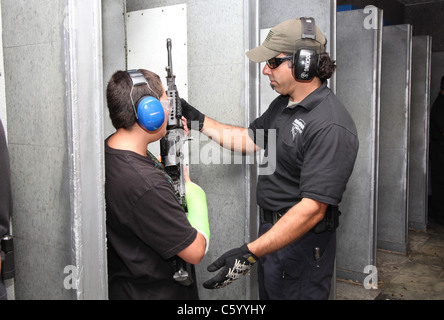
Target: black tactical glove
[
  {"x": 236, "y": 262},
  {"x": 192, "y": 114}
]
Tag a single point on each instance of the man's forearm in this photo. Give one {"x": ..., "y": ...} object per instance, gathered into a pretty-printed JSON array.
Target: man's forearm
[
  {"x": 230, "y": 137},
  {"x": 294, "y": 224}
]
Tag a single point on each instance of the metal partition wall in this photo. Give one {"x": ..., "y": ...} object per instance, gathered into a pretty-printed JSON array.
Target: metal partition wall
[
  {"x": 394, "y": 139},
  {"x": 84, "y": 92},
  {"x": 419, "y": 132},
  {"x": 358, "y": 86},
  {"x": 252, "y": 101}
]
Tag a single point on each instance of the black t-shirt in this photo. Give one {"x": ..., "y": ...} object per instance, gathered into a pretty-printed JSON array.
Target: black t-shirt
[
  {"x": 146, "y": 228},
  {"x": 315, "y": 150}
]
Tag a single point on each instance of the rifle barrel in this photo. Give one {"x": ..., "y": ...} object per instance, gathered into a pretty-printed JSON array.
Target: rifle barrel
[{"x": 170, "y": 59}]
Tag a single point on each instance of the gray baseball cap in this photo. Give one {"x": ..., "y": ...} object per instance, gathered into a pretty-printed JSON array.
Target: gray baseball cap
[{"x": 287, "y": 37}]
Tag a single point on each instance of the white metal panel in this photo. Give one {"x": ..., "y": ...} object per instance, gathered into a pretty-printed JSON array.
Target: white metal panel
[{"x": 147, "y": 32}]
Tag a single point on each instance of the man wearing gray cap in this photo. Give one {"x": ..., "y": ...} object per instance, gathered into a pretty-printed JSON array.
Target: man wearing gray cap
[{"x": 316, "y": 147}]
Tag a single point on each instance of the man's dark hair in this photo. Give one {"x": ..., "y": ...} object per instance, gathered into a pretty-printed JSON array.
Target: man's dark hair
[
  {"x": 442, "y": 83},
  {"x": 121, "y": 110},
  {"x": 326, "y": 68}
]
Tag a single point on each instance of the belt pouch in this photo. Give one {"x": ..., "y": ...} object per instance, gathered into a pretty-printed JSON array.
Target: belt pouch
[{"x": 330, "y": 222}]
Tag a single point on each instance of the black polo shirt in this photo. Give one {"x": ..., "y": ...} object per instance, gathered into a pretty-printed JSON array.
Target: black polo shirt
[{"x": 316, "y": 146}]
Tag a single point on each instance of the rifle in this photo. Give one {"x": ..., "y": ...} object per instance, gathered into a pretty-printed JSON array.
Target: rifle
[
  {"x": 172, "y": 144},
  {"x": 172, "y": 157}
]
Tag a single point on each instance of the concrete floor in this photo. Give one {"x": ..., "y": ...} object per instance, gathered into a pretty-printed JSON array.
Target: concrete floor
[{"x": 418, "y": 275}]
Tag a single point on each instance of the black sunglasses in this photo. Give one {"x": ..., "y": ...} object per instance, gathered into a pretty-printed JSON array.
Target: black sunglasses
[{"x": 273, "y": 63}]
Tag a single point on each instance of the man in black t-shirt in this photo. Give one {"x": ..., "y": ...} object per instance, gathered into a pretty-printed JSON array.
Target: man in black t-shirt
[
  {"x": 315, "y": 148},
  {"x": 148, "y": 231}
]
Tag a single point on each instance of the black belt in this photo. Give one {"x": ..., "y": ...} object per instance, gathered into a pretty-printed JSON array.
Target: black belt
[
  {"x": 329, "y": 223},
  {"x": 268, "y": 216}
]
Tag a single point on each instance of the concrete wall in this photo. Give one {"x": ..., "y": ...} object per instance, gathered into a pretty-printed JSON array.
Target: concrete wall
[
  {"x": 52, "y": 74},
  {"x": 33, "y": 53}
]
